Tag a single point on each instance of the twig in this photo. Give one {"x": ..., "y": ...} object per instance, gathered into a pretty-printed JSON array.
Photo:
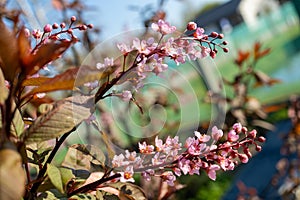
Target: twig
[{"x": 49, "y": 160}]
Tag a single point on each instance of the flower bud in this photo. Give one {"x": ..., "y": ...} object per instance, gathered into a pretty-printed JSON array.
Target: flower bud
[
  {"x": 90, "y": 26},
  {"x": 224, "y": 42},
  {"x": 191, "y": 26},
  {"x": 55, "y": 26},
  {"x": 62, "y": 25},
  {"x": 243, "y": 158},
  {"x": 258, "y": 148},
  {"x": 73, "y": 19},
  {"x": 252, "y": 134},
  {"x": 214, "y": 34},
  {"x": 212, "y": 54},
  {"x": 221, "y": 36},
  {"x": 47, "y": 28},
  {"x": 226, "y": 50},
  {"x": 261, "y": 139}
]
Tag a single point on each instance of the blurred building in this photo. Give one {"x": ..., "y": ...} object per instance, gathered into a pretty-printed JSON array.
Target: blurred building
[{"x": 224, "y": 17}]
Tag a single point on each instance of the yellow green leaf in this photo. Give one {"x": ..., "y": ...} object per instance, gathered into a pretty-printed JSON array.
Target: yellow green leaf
[{"x": 55, "y": 177}]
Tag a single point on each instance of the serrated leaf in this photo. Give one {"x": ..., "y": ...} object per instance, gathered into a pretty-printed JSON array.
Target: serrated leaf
[
  {"x": 95, "y": 154},
  {"x": 63, "y": 117},
  {"x": 55, "y": 177},
  {"x": 125, "y": 191}
]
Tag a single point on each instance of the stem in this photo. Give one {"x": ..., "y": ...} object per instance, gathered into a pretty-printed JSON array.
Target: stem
[
  {"x": 49, "y": 160},
  {"x": 93, "y": 185}
]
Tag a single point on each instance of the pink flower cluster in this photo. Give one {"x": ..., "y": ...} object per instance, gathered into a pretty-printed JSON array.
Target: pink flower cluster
[
  {"x": 150, "y": 55},
  {"x": 170, "y": 159}
]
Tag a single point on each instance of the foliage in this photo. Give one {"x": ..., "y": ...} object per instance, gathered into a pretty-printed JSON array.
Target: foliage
[
  {"x": 34, "y": 125},
  {"x": 243, "y": 107}
]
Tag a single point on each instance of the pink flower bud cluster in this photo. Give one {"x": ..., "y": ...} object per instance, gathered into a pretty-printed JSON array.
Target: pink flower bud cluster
[
  {"x": 48, "y": 29},
  {"x": 170, "y": 159}
]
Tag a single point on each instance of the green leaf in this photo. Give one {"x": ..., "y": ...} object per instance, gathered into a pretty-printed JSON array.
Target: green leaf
[
  {"x": 55, "y": 177},
  {"x": 48, "y": 196},
  {"x": 83, "y": 197},
  {"x": 125, "y": 191},
  {"x": 63, "y": 117},
  {"x": 66, "y": 175}
]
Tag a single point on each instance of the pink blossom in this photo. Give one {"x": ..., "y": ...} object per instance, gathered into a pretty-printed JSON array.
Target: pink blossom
[
  {"x": 163, "y": 27},
  {"x": 237, "y": 127},
  {"x": 169, "y": 177},
  {"x": 130, "y": 155},
  {"x": 127, "y": 175},
  {"x": 146, "y": 149},
  {"x": 184, "y": 165},
  {"x": 212, "y": 171},
  {"x": 125, "y": 49},
  {"x": 199, "y": 33},
  {"x": 141, "y": 46},
  {"x": 202, "y": 137},
  {"x": 118, "y": 161},
  {"x": 126, "y": 95},
  {"x": 232, "y": 136},
  {"x": 36, "y": 33},
  {"x": 108, "y": 62},
  {"x": 159, "y": 144},
  {"x": 147, "y": 174},
  {"x": 216, "y": 133}
]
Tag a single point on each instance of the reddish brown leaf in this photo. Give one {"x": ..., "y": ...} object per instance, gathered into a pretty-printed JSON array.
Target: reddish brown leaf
[
  {"x": 36, "y": 81},
  {"x": 23, "y": 44},
  {"x": 44, "y": 54},
  {"x": 242, "y": 57},
  {"x": 64, "y": 81},
  {"x": 68, "y": 80},
  {"x": 258, "y": 53},
  {"x": 9, "y": 59}
]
